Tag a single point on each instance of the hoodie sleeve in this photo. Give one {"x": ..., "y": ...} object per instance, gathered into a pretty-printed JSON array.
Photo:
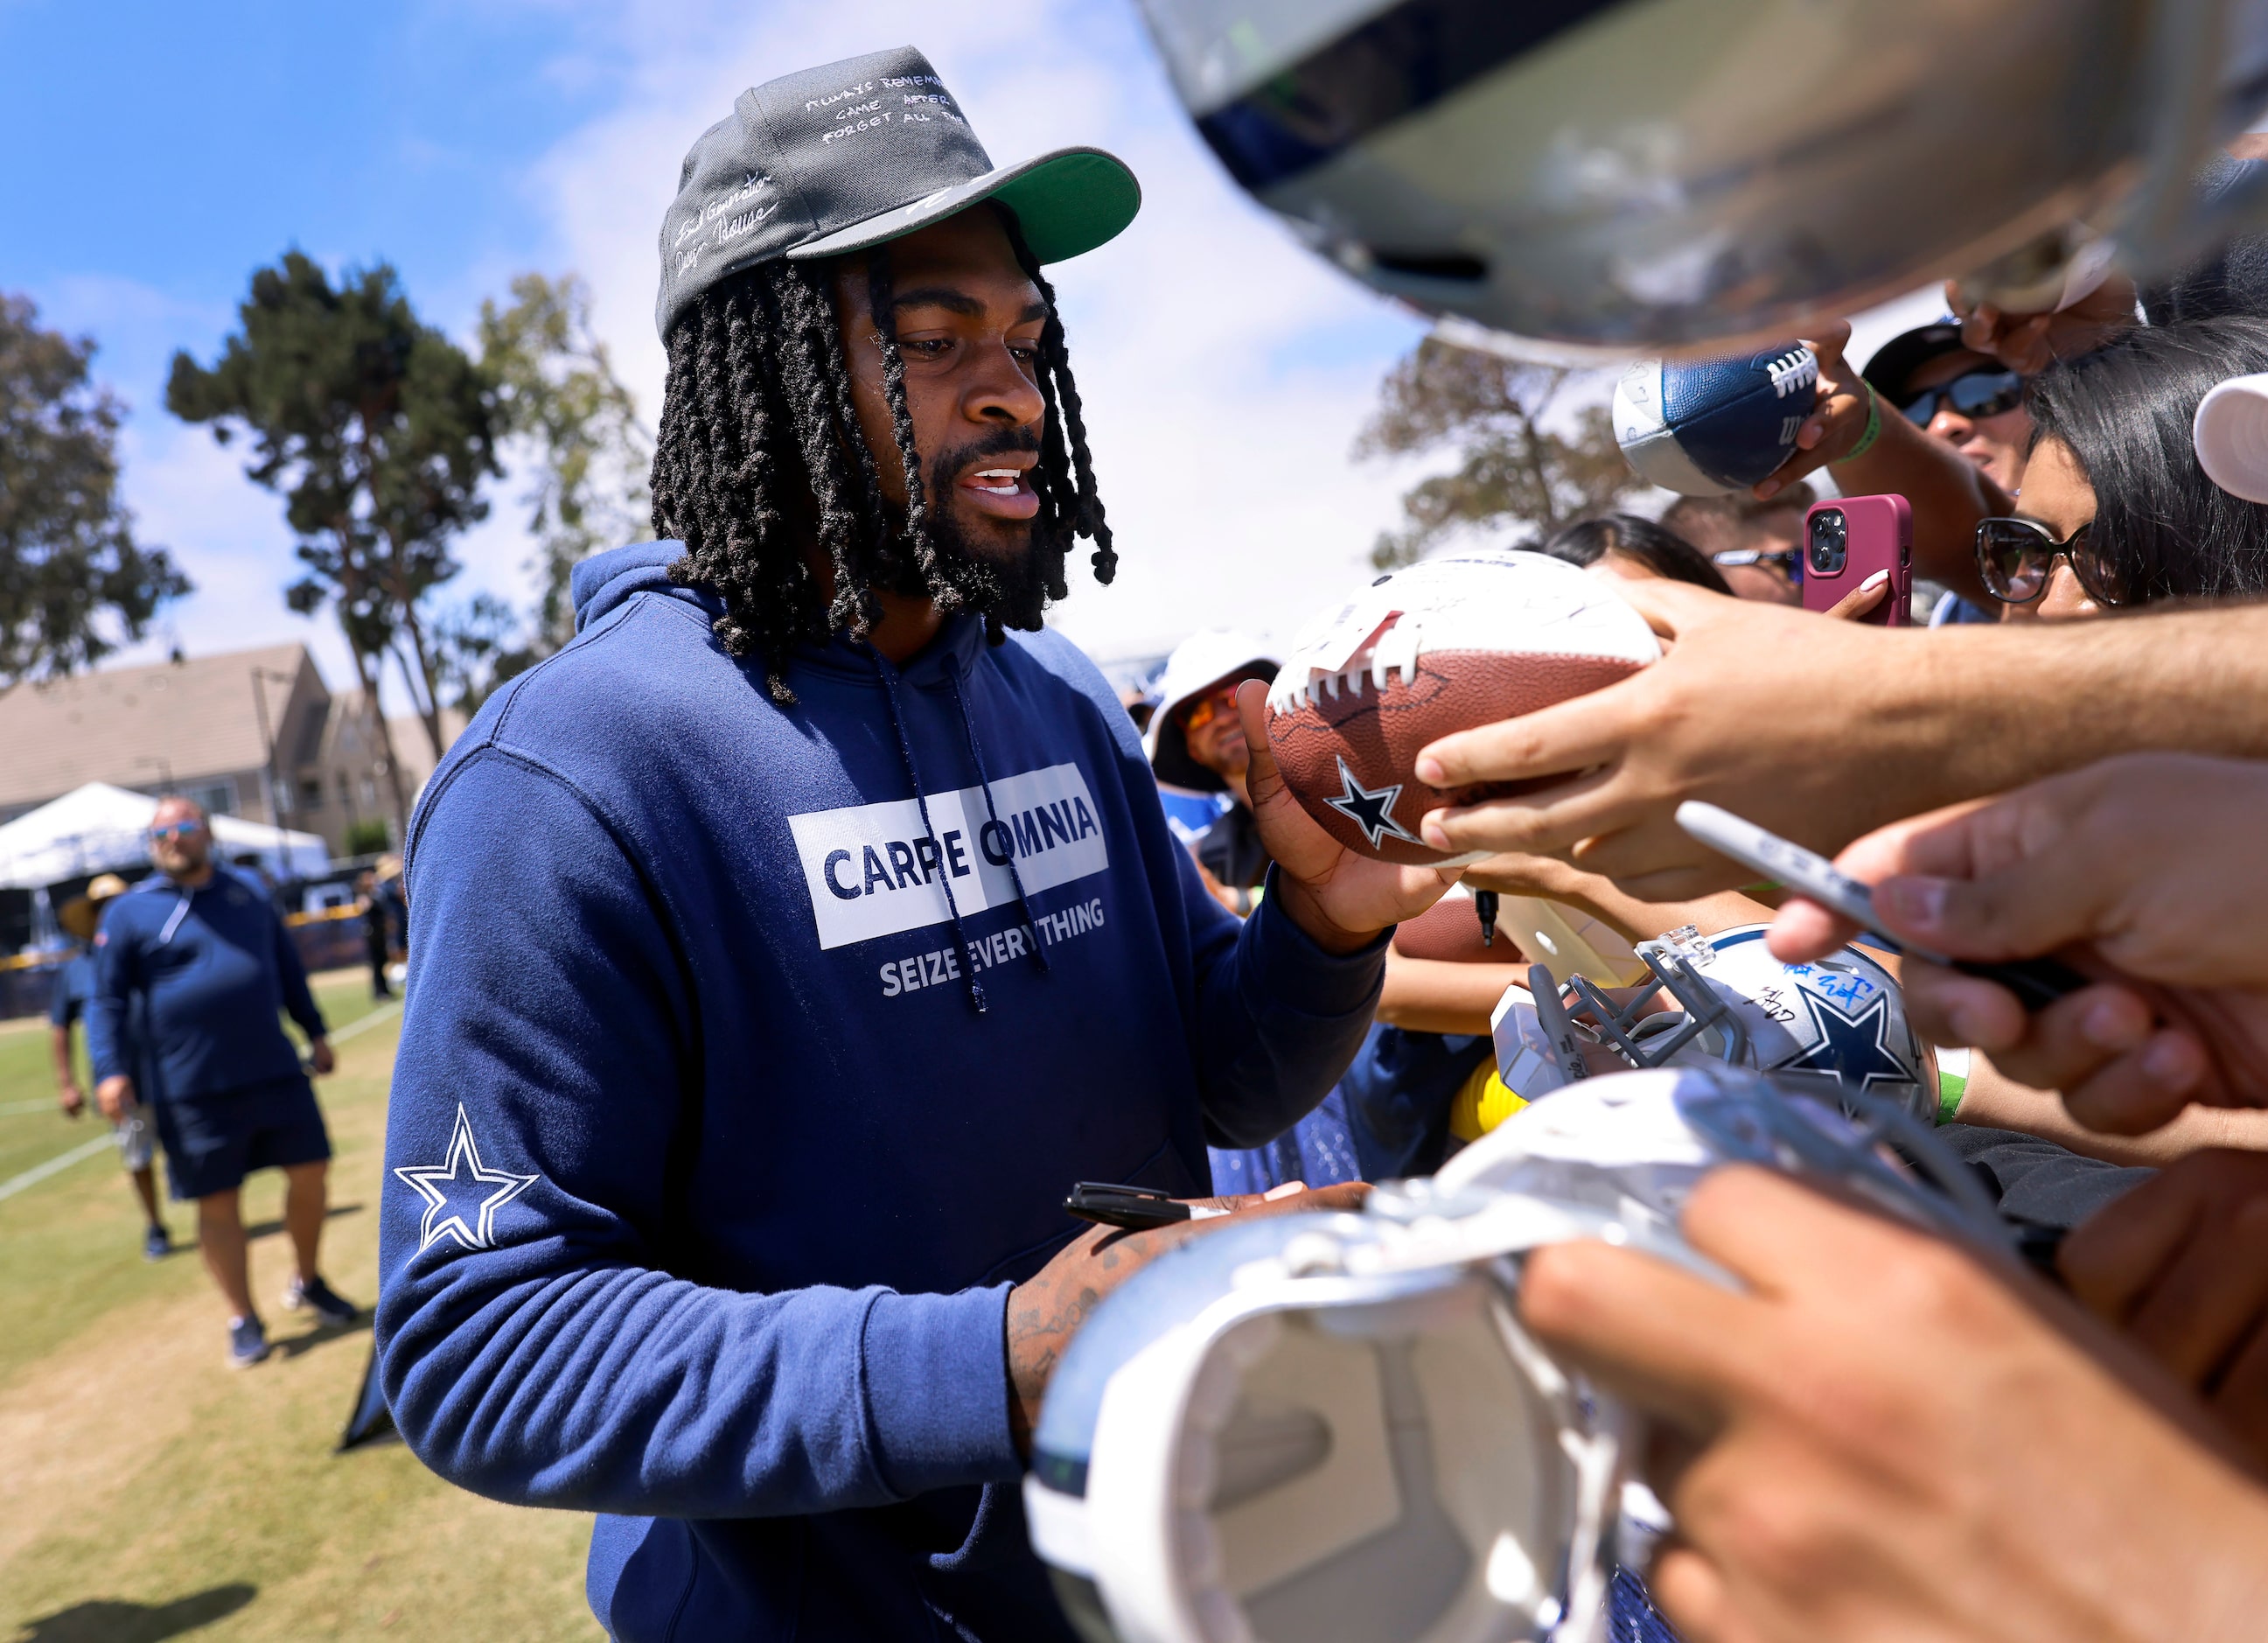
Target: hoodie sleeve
[
  {"x": 1279, "y": 1018},
  {"x": 535, "y": 1345},
  {"x": 114, "y": 974}
]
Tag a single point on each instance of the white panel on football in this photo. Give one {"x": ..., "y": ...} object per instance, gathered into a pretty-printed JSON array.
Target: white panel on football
[
  {"x": 1503, "y": 601},
  {"x": 1648, "y": 444},
  {"x": 1658, "y": 458}
]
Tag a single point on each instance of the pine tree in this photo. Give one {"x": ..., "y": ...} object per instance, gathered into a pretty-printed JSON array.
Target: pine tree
[{"x": 378, "y": 432}]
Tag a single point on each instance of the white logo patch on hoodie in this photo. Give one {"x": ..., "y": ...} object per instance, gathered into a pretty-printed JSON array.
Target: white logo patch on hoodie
[{"x": 873, "y": 870}]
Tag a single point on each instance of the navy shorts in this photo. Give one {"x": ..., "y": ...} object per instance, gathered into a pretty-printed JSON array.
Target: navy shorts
[{"x": 213, "y": 1141}]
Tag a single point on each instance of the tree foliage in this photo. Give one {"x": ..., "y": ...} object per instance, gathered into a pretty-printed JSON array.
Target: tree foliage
[
  {"x": 482, "y": 644},
  {"x": 378, "y": 432},
  {"x": 577, "y": 432},
  {"x": 1517, "y": 463},
  {"x": 74, "y": 583}
]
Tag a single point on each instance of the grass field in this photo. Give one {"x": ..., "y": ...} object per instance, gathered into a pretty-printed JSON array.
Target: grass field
[{"x": 147, "y": 1491}]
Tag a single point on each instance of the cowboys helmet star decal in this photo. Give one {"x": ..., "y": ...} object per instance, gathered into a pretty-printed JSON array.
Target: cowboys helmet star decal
[
  {"x": 1850, "y": 1047},
  {"x": 1371, "y": 809},
  {"x": 462, "y": 1195}
]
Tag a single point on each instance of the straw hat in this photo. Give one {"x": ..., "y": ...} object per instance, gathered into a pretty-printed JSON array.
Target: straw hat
[{"x": 82, "y": 913}]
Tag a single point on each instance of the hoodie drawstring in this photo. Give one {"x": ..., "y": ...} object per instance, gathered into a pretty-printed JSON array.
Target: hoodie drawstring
[
  {"x": 936, "y": 854},
  {"x": 992, "y": 816}
]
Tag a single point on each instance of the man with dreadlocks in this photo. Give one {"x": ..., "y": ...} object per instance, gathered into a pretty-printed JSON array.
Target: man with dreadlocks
[{"x": 785, "y": 948}]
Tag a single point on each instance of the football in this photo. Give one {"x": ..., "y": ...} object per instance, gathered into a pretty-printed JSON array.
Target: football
[
  {"x": 1449, "y": 932},
  {"x": 1447, "y": 644},
  {"x": 1708, "y": 427}
]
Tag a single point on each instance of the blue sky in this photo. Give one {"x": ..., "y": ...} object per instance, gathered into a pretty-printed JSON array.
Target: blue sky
[
  {"x": 150, "y": 155},
  {"x": 173, "y": 145},
  {"x": 155, "y": 154}
]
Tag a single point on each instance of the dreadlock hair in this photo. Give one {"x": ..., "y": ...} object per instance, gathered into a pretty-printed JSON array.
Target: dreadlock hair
[
  {"x": 759, "y": 452},
  {"x": 1080, "y": 505}
]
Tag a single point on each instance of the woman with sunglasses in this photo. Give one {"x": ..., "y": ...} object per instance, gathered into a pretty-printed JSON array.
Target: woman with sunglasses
[{"x": 2116, "y": 511}]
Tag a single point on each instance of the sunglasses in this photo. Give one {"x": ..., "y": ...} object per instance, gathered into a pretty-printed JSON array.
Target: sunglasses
[
  {"x": 1976, "y": 394},
  {"x": 178, "y": 830},
  {"x": 1221, "y": 704},
  {"x": 2016, "y": 557},
  {"x": 1789, "y": 560}
]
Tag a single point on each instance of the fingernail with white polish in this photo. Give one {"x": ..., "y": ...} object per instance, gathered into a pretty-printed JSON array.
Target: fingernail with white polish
[
  {"x": 2167, "y": 1064},
  {"x": 1918, "y": 901},
  {"x": 1968, "y": 1027},
  {"x": 1875, "y": 580},
  {"x": 2107, "y": 1026}
]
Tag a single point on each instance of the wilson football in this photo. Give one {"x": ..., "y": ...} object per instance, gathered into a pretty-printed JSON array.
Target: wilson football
[
  {"x": 1707, "y": 427},
  {"x": 1447, "y": 644}
]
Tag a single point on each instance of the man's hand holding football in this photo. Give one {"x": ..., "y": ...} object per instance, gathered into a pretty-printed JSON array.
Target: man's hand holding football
[{"x": 1342, "y": 900}]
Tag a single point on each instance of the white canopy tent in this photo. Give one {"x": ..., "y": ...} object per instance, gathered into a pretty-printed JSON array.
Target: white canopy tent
[{"x": 101, "y": 828}]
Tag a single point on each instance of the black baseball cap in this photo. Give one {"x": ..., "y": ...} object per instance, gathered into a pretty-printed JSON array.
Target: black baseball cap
[
  {"x": 855, "y": 153},
  {"x": 1892, "y": 370}
]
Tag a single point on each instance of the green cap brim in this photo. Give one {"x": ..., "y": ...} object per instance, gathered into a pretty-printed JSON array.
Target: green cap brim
[{"x": 1067, "y": 202}]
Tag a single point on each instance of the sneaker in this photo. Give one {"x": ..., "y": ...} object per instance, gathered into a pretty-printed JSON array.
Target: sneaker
[
  {"x": 248, "y": 1343},
  {"x": 156, "y": 1244},
  {"x": 318, "y": 1296}
]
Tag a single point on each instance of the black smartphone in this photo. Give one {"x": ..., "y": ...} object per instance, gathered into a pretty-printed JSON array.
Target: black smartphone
[{"x": 1137, "y": 1209}]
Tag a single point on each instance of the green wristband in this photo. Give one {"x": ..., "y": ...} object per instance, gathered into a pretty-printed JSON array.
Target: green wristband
[{"x": 1873, "y": 427}]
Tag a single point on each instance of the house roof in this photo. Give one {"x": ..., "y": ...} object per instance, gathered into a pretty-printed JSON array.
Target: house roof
[{"x": 135, "y": 726}]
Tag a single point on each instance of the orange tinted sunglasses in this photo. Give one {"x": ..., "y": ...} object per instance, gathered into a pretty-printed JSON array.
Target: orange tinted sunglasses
[{"x": 1206, "y": 709}]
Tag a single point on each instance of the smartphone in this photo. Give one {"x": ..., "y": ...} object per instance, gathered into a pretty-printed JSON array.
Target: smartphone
[
  {"x": 1849, "y": 539},
  {"x": 2037, "y": 982}
]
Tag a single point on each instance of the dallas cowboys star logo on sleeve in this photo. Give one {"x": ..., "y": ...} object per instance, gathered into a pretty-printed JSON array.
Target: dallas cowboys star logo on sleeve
[
  {"x": 463, "y": 1195},
  {"x": 1369, "y": 808}
]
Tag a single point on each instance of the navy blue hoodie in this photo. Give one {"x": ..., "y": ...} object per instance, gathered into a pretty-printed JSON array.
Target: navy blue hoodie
[
  {"x": 213, "y": 966},
  {"x": 708, "y": 1177}
]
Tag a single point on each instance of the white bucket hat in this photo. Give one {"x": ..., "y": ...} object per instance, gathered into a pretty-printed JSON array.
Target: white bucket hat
[{"x": 1198, "y": 663}]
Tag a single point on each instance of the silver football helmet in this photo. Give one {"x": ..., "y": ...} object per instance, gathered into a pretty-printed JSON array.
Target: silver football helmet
[
  {"x": 1630, "y": 175},
  {"x": 1839, "y": 1023},
  {"x": 1333, "y": 1428}
]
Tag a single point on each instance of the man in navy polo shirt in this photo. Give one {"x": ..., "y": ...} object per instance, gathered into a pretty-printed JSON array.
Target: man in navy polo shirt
[{"x": 213, "y": 965}]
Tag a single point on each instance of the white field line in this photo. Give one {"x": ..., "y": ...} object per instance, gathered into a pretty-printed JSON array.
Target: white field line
[
  {"x": 15, "y": 1109},
  {"x": 55, "y": 1166},
  {"x": 62, "y": 1162},
  {"x": 384, "y": 1013}
]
